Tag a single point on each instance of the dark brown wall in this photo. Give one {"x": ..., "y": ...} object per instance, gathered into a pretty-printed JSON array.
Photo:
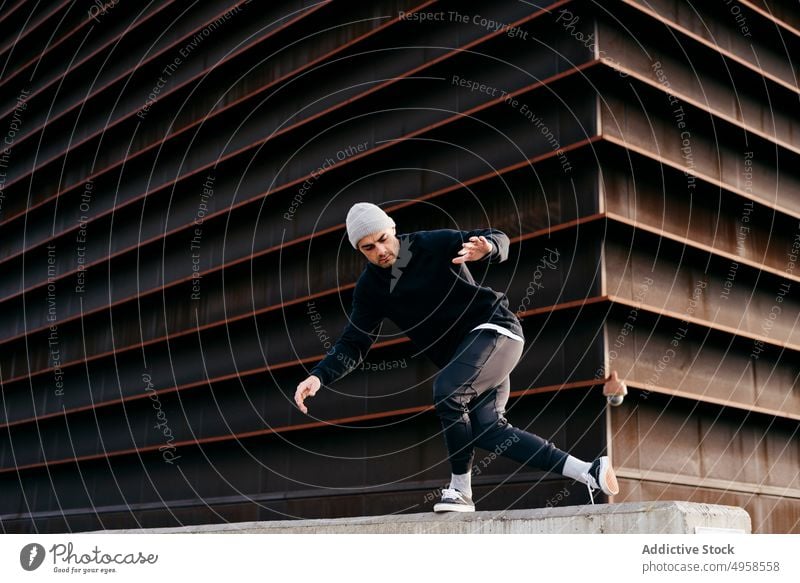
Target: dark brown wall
[{"x": 113, "y": 204}]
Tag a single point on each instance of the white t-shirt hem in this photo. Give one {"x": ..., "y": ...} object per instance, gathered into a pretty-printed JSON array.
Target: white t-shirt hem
[{"x": 499, "y": 329}]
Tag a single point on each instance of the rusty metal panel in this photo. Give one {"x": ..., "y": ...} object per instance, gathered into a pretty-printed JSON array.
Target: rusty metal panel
[
  {"x": 705, "y": 365},
  {"x": 690, "y": 441},
  {"x": 719, "y": 28},
  {"x": 672, "y": 448},
  {"x": 714, "y": 154},
  {"x": 768, "y": 514},
  {"x": 701, "y": 288},
  {"x": 696, "y": 77},
  {"x": 711, "y": 219},
  {"x": 781, "y": 10}
]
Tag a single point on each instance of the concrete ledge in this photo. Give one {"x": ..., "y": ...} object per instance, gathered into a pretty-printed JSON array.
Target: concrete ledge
[{"x": 634, "y": 517}]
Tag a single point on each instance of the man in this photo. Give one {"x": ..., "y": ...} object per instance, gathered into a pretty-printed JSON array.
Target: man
[{"x": 421, "y": 282}]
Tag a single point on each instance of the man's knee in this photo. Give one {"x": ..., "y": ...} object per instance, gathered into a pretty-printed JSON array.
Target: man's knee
[
  {"x": 451, "y": 403},
  {"x": 448, "y": 405},
  {"x": 488, "y": 431}
]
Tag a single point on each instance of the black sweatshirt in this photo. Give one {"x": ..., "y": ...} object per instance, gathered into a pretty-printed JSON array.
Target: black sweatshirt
[{"x": 432, "y": 300}]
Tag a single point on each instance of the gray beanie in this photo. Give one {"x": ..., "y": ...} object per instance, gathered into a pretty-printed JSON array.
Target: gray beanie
[{"x": 365, "y": 218}]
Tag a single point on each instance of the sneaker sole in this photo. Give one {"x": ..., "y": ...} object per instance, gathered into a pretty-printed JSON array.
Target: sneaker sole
[
  {"x": 610, "y": 486},
  {"x": 445, "y": 507}
]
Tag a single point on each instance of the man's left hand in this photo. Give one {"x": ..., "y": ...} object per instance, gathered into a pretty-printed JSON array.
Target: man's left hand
[{"x": 474, "y": 250}]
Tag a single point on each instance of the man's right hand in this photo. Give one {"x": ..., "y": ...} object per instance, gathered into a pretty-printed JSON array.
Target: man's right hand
[{"x": 308, "y": 388}]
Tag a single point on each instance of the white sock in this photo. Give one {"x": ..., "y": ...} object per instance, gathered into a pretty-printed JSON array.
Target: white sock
[
  {"x": 573, "y": 468},
  {"x": 462, "y": 483}
]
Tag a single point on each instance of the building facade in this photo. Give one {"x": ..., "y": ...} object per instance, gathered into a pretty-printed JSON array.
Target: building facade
[{"x": 175, "y": 178}]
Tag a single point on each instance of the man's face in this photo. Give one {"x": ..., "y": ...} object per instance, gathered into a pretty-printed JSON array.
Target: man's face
[{"x": 380, "y": 248}]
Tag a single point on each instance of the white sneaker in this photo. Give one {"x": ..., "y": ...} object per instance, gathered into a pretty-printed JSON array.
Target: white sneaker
[
  {"x": 601, "y": 477},
  {"x": 454, "y": 501}
]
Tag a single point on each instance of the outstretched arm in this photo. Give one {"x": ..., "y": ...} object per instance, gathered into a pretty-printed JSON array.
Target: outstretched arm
[{"x": 347, "y": 353}]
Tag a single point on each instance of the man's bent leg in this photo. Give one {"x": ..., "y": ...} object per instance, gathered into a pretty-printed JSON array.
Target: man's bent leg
[
  {"x": 493, "y": 432},
  {"x": 454, "y": 388}
]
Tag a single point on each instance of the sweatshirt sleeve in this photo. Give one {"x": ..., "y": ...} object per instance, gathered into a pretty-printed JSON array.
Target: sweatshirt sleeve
[
  {"x": 355, "y": 341},
  {"x": 499, "y": 240}
]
